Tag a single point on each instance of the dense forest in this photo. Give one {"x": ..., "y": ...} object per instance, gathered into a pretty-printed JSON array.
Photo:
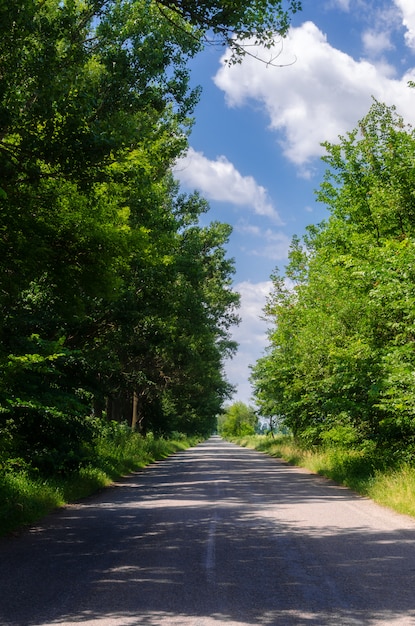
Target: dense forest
[
  {"x": 115, "y": 301},
  {"x": 340, "y": 365}
]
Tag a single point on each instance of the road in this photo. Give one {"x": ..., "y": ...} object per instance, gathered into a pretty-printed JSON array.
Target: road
[{"x": 213, "y": 535}]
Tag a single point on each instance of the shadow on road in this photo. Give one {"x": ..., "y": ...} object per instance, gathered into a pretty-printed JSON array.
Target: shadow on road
[{"x": 213, "y": 535}]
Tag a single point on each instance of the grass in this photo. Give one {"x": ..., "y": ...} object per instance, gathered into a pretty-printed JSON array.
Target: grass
[
  {"x": 25, "y": 497},
  {"x": 23, "y": 500},
  {"x": 364, "y": 471},
  {"x": 395, "y": 490}
]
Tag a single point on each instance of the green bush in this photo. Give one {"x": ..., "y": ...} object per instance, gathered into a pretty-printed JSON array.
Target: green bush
[
  {"x": 340, "y": 436},
  {"x": 48, "y": 440}
]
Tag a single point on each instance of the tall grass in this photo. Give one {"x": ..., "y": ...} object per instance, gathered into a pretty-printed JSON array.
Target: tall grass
[
  {"x": 24, "y": 499},
  {"x": 365, "y": 470},
  {"x": 395, "y": 489},
  {"x": 25, "y": 496}
]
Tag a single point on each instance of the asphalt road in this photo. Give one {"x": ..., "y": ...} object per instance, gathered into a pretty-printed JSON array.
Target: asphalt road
[{"x": 213, "y": 535}]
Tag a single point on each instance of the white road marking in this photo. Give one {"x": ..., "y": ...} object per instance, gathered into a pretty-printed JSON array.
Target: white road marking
[{"x": 210, "y": 557}]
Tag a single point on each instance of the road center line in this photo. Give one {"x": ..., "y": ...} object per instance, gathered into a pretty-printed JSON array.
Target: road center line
[{"x": 210, "y": 556}]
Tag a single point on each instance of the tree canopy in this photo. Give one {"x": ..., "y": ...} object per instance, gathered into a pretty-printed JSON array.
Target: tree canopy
[
  {"x": 237, "y": 25},
  {"x": 114, "y": 300},
  {"x": 341, "y": 358}
]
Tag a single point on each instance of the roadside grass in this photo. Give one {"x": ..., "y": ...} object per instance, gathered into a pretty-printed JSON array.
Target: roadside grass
[
  {"x": 395, "y": 490},
  {"x": 364, "y": 471},
  {"x": 23, "y": 500},
  {"x": 26, "y": 497}
]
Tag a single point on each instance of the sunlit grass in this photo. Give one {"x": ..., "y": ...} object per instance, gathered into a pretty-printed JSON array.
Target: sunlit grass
[
  {"x": 395, "y": 490},
  {"x": 361, "y": 470}
]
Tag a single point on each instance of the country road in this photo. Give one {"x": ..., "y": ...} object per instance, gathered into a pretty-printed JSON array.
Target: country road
[{"x": 213, "y": 535}]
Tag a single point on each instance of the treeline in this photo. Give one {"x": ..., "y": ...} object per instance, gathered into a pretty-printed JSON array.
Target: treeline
[
  {"x": 115, "y": 300},
  {"x": 340, "y": 366},
  {"x": 237, "y": 420}
]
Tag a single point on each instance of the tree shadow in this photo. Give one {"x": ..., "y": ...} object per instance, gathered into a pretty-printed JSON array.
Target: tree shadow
[{"x": 216, "y": 534}]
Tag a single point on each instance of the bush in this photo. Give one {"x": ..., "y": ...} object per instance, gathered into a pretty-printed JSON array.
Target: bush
[
  {"x": 48, "y": 440},
  {"x": 340, "y": 436}
]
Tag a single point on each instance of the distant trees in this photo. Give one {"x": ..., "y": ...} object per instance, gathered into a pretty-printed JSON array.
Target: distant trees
[
  {"x": 237, "y": 420},
  {"x": 340, "y": 366}
]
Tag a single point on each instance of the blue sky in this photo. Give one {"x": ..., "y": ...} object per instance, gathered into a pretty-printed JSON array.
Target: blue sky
[{"x": 255, "y": 149}]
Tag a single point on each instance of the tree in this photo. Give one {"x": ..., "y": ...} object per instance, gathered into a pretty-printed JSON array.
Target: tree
[
  {"x": 83, "y": 87},
  {"x": 111, "y": 294},
  {"x": 237, "y": 25},
  {"x": 237, "y": 420},
  {"x": 170, "y": 331},
  {"x": 92, "y": 101},
  {"x": 341, "y": 349}
]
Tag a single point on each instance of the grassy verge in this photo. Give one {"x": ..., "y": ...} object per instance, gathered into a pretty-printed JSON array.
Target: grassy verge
[
  {"x": 361, "y": 470},
  {"x": 26, "y": 497}
]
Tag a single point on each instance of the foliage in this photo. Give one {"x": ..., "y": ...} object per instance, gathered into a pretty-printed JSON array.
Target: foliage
[
  {"x": 341, "y": 359},
  {"x": 113, "y": 299},
  {"x": 236, "y": 24},
  {"x": 237, "y": 420},
  {"x": 25, "y": 496}
]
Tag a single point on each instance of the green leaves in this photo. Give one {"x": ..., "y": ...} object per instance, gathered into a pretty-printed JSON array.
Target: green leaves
[
  {"x": 101, "y": 260},
  {"x": 235, "y": 24},
  {"x": 342, "y": 351},
  {"x": 237, "y": 420}
]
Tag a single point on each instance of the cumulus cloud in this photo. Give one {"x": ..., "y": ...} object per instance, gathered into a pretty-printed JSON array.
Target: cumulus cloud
[
  {"x": 407, "y": 8},
  {"x": 251, "y": 335},
  {"x": 220, "y": 180},
  {"x": 322, "y": 95}
]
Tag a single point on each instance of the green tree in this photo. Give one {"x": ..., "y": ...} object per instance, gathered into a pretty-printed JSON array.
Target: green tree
[
  {"x": 235, "y": 24},
  {"x": 170, "y": 331},
  {"x": 237, "y": 420},
  {"x": 341, "y": 353},
  {"x": 110, "y": 292},
  {"x": 85, "y": 106}
]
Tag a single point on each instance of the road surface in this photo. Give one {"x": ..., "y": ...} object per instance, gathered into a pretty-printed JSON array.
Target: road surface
[{"x": 213, "y": 535}]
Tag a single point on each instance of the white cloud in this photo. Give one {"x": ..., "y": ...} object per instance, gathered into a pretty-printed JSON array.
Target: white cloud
[
  {"x": 408, "y": 19},
  {"x": 276, "y": 246},
  {"x": 250, "y": 334},
  {"x": 322, "y": 95},
  {"x": 376, "y": 42},
  {"x": 220, "y": 180},
  {"x": 273, "y": 244},
  {"x": 248, "y": 229}
]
